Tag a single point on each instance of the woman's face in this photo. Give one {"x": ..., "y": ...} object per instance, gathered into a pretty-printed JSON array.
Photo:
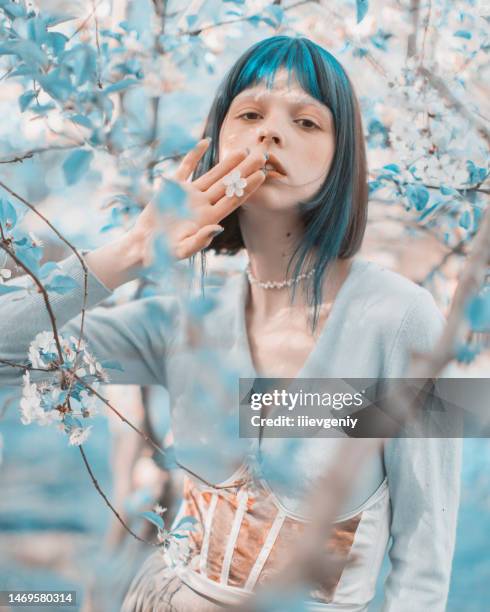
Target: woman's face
[{"x": 294, "y": 128}]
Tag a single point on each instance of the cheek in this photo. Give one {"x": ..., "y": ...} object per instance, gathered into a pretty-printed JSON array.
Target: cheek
[
  {"x": 230, "y": 140},
  {"x": 318, "y": 155}
]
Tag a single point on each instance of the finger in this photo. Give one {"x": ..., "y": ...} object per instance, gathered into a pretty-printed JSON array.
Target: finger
[
  {"x": 246, "y": 168},
  {"x": 226, "y": 205},
  {"x": 190, "y": 161},
  {"x": 220, "y": 170},
  {"x": 200, "y": 240}
]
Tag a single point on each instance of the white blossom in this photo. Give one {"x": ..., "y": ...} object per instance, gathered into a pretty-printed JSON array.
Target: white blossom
[{"x": 79, "y": 435}]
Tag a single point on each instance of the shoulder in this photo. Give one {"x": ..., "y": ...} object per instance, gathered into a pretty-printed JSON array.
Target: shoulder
[
  {"x": 402, "y": 315},
  {"x": 397, "y": 299}
]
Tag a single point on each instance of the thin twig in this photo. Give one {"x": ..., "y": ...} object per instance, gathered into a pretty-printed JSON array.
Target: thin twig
[
  {"x": 20, "y": 157},
  {"x": 105, "y": 498},
  {"x": 226, "y": 22},
  {"x": 441, "y": 87},
  {"x": 43, "y": 292}
]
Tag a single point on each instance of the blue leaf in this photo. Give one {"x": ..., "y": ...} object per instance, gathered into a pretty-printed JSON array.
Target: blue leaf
[
  {"x": 186, "y": 520},
  {"x": 14, "y": 9},
  {"x": 172, "y": 197},
  {"x": 25, "y": 99},
  {"x": 57, "y": 84},
  {"x": 76, "y": 164},
  {"x": 120, "y": 85},
  {"x": 112, "y": 365},
  {"x": 362, "y": 9},
  {"x": 478, "y": 312},
  {"x": 154, "y": 518},
  {"x": 8, "y": 214},
  {"x": 28, "y": 51},
  {"x": 392, "y": 168},
  {"x": 47, "y": 268},
  {"x": 9, "y": 288},
  {"x": 61, "y": 284},
  {"x": 417, "y": 195},
  {"x": 463, "y": 34},
  {"x": 448, "y": 190},
  {"x": 81, "y": 120},
  {"x": 465, "y": 220}
]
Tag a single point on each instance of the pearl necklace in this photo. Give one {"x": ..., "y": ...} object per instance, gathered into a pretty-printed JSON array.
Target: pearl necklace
[{"x": 277, "y": 284}]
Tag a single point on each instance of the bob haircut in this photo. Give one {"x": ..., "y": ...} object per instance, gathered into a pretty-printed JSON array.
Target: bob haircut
[{"x": 335, "y": 217}]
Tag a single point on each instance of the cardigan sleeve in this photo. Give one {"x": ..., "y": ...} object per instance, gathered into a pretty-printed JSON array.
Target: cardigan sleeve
[
  {"x": 424, "y": 482},
  {"x": 131, "y": 334}
]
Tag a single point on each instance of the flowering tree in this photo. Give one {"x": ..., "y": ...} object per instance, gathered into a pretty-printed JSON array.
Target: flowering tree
[{"x": 109, "y": 96}]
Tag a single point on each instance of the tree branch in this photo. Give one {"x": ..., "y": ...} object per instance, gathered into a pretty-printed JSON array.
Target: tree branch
[
  {"x": 440, "y": 86},
  {"x": 105, "y": 498}
]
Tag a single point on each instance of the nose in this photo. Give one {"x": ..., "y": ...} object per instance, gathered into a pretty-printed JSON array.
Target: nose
[{"x": 267, "y": 136}]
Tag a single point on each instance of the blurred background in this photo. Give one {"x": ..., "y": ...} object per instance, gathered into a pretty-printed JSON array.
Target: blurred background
[{"x": 421, "y": 71}]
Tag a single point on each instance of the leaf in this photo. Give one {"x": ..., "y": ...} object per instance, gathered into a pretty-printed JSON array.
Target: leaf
[
  {"x": 186, "y": 520},
  {"x": 47, "y": 268},
  {"x": 13, "y": 9},
  {"x": 120, "y": 85},
  {"x": 465, "y": 220},
  {"x": 8, "y": 214},
  {"x": 417, "y": 195},
  {"x": 463, "y": 34},
  {"x": 392, "y": 168},
  {"x": 445, "y": 190},
  {"x": 27, "y": 50},
  {"x": 478, "y": 311},
  {"x": 76, "y": 164},
  {"x": 9, "y": 288},
  {"x": 172, "y": 197},
  {"x": 81, "y": 120},
  {"x": 61, "y": 284},
  {"x": 362, "y": 9},
  {"x": 25, "y": 99},
  {"x": 154, "y": 518},
  {"x": 57, "y": 84},
  {"x": 112, "y": 365}
]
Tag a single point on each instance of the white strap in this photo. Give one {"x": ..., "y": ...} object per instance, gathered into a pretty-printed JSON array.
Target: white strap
[
  {"x": 242, "y": 498},
  {"x": 203, "y": 561},
  {"x": 265, "y": 551}
]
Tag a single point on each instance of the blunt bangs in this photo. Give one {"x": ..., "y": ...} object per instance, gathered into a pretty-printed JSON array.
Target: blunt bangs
[{"x": 334, "y": 218}]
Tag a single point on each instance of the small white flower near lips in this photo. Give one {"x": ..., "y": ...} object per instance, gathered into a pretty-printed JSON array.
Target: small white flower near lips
[{"x": 235, "y": 184}]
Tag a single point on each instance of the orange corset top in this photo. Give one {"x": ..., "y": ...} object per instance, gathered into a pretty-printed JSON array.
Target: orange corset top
[{"x": 243, "y": 536}]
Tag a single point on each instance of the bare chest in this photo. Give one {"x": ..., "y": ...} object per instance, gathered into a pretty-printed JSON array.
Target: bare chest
[{"x": 281, "y": 346}]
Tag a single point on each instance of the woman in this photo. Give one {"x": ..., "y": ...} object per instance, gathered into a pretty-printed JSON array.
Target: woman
[{"x": 283, "y": 171}]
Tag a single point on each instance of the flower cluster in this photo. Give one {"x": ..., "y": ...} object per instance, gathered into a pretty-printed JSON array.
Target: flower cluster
[
  {"x": 66, "y": 392},
  {"x": 175, "y": 542}
]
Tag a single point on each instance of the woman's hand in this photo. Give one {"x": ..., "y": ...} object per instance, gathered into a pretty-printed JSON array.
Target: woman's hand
[
  {"x": 119, "y": 261},
  {"x": 206, "y": 201}
]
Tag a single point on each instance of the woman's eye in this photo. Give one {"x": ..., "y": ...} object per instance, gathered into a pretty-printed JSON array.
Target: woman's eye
[
  {"x": 249, "y": 116},
  {"x": 307, "y": 123}
]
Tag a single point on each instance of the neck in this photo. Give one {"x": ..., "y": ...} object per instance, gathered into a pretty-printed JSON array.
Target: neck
[{"x": 270, "y": 245}]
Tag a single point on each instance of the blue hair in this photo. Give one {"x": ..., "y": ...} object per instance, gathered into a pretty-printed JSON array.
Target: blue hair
[{"x": 335, "y": 217}]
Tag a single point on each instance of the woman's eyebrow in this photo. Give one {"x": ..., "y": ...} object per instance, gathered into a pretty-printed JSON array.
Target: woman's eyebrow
[{"x": 302, "y": 101}]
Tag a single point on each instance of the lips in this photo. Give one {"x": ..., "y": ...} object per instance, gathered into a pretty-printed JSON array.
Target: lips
[{"x": 274, "y": 166}]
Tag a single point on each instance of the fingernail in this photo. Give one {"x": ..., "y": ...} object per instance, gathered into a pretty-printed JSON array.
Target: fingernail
[
  {"x": 208, "y": 138},
  {"x": 217, "y": 232}
]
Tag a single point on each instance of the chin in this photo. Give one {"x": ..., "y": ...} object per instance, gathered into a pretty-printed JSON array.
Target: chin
[{"x": 270, "y": 197}]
